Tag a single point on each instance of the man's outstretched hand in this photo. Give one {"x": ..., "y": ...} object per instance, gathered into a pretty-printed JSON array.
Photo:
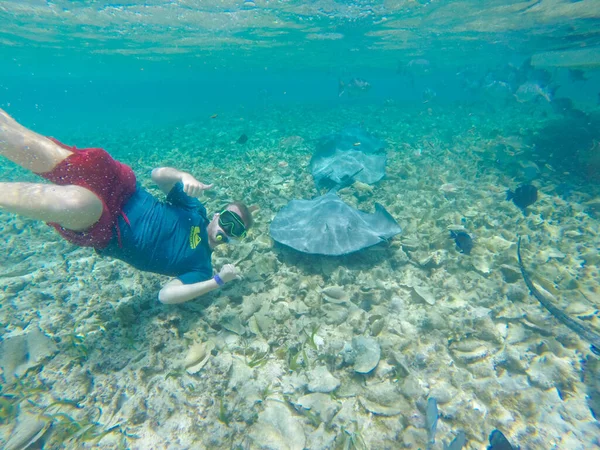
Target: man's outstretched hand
[
  {"x": 229, "y": 273},
  {"x": 193, "y": 187}
]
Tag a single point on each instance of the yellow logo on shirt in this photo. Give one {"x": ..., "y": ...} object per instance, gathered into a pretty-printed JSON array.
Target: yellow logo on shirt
[{"x": 194, "y": 237}]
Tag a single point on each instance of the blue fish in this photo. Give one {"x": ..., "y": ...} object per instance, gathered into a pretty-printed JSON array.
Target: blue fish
[
  {"x": 464, "y": 241},
  {"x": 498, "y": 441},
  {"x": 431, "y": 419},
  {"x": 458, "y": 443}
]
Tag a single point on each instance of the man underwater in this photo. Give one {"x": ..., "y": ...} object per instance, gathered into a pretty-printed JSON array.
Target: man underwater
[{"x": 94, "y": 201}]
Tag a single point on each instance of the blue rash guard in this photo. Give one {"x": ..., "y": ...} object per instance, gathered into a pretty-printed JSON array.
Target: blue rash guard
[{"x": 167, "y": 238}]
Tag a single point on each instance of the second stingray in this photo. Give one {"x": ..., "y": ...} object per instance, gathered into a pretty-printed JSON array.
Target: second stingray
[
  {"x": 347, "y": 156},
  {"x": 328, "y": 226}
]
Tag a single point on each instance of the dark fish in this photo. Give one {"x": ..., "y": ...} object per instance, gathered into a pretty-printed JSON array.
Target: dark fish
[
  {"x": 583, "y": 332},
  {"x": 498, "y": 441},
  {"x": 564, "y": 105},
  {"x": 458, "y": 443},
  {"x": 577, "y": 75},
  {"x": 431, "y": 419},
  {"x": 243, "y": 139},
  {"x": 463, "y": 240},
  {"x": 524, "y": 195}
]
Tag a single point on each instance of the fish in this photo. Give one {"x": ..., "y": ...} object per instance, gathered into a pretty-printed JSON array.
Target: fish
[
  {"x": 564, "y": 105},
  {"x": 524, "y": 196},
  {"x": 414, "y": 69},
  {"x": 423, "y": 64},
  {"x": 464, "y": 241},
  {"x": 428, "y": 95},
  {"x": 583, "y": 332},
  {"x": 577, "y": 75},
  {"x": 354, "y": 86},
  {"x": 498, "y": 441},
  {"x": 530, "y": 171},
  {"x": 531, "y": 91},
  {"x": 458, "y": 443},
  {"x": 242, "y": 139},
  {"x": 431, "y": 419}
]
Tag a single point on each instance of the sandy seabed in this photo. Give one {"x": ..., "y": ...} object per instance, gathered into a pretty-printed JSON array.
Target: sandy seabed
[{"x": 263, "y": 363}]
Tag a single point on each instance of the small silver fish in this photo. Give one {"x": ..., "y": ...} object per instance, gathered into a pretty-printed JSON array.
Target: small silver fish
[
  {"x": 529, "y": 91},
  {"x": 354, "y": 86}
]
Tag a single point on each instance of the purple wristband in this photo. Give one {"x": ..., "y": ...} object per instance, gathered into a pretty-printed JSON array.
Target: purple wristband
[{"x": 218, "y": 279}]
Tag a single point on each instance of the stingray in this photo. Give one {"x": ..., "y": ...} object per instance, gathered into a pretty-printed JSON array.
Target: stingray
[
  {"x": 328, "y": 226},
  {"x": 352, "y": 154}
]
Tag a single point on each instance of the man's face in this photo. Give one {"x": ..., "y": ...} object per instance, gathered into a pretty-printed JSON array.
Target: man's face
[{"x": 216, "y": 234}]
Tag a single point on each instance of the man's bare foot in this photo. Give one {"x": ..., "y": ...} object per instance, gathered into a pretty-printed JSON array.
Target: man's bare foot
[
  {"x": 6, "y": 120},
  {"x": 6, "y": 123}
]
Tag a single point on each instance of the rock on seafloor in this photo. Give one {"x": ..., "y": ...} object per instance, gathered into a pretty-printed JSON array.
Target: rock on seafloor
[
  {"x": 277, "y": 428},
  {"x": 321, "y": 380}
]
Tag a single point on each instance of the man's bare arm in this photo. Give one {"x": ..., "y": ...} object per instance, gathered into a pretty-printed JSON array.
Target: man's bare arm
[
  {"x": 166, "y": 177},
  {"x": 175, "y": 291}
]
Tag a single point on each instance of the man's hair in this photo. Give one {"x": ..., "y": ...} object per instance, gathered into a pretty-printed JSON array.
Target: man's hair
[{"x": 245, "y": 213}]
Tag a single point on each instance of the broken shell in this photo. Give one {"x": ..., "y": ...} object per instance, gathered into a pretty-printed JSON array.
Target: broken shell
[
  {"x": 381, "y": 410},
  {"x": 448, "y": 188},
  {"x": 498, "y": 244},
  {"x": 410, "y": 243},
  {"x": 424, "y": 294},
  {"x": 581, "y": 310},
  {"x": 367, "y": 352},
  {"x": 551, "y": 253},
  {"x": 469, "y": 357},
  {"x": 320, "y": 404},
  {"x": 233, "y": 323},
  {"x": 377, "y": 326},
  {"x": 198, "y": 356},
  {"x": 483, "y": 265},
  {"x": 511, "y": 274},
  {"x": 335, "y": 293},
  {"x": 548, "y": 371},
  {"x": 29, "y": 429}
]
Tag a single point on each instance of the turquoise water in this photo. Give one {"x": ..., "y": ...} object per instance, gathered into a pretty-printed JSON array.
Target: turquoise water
[{"x": 470, "y": 98}]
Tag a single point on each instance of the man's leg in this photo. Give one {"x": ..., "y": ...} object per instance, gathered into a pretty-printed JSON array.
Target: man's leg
[
  {"x": 72, "y": 207},
  {"x": 28, "y": 149}
]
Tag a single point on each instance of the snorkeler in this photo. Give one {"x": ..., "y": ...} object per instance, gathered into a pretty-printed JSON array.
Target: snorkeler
[{"x": 94, "y": 201}]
